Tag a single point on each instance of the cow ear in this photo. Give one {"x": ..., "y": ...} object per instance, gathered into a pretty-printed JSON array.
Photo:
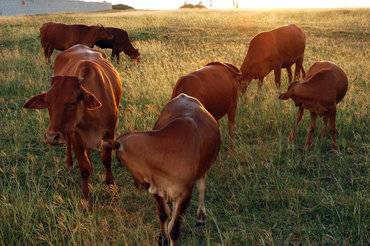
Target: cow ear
[
  {"x": 36, "y": 102},
  {"x": 99, "y": 25},
  {"x": 284, "y": 96},
  {"x": 91, "y": 101}
]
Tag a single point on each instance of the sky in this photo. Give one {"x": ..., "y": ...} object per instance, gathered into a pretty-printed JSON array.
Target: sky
[{"x": 225, "y": 4}]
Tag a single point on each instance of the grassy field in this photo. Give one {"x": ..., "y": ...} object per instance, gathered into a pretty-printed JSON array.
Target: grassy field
[{"x": 269, "y": 193}]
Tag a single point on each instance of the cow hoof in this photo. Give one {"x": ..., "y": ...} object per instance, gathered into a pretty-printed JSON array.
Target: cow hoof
[
  {"x": 307, "y": 147},
  {"x": 163, "y": 241},
  {"x": 200, "y": 224},
  {"x": 112, "y": 188},
  {"x": 69, "y": 163},
  {"x": 87, "y": 204}
]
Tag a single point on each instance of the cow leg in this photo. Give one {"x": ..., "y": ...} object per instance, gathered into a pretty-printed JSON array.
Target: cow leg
[
  {"x": 117, "y": 56},
  {"x": 106, "y": 158},
  {"x": 289, "y": 70},
  {"x": 85, "y": 167},
  {"x": 332, "y": 127},
  {"x": 69, "y": 158},
  {"x": 50, "y": 50},
  {"x": 163, "y": 212},
  {"x": 231, "y": 124},
  {"x": 201, "y": 212},
  {"x": 260, "y": 82},
  {"x": 325, "y": 123},
  {"x": 277, "y": 72},
  {"x": 313, "y": 127},
  {"x": 298, "y": 68},
  {"x": 179, "y": 208},
  {"x": 299, "y": 117},
  {"x": 113, "y": 54}
]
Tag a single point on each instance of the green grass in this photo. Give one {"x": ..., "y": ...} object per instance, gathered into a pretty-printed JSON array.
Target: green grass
[{"x": 269, "y": 193}]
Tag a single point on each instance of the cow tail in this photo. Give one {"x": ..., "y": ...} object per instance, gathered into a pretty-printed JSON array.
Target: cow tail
[{"x": 112, "y": 144}]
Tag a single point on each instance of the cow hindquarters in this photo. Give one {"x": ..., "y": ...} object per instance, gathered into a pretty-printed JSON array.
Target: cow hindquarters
[{"x": 85, "y": 165}]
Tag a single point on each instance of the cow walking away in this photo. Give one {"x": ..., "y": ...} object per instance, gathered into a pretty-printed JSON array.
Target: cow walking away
[
  {"x": 168, "y": 160},
  {"x": 82, "y": 103},
  {"x": 61, "y": 36},
  {"x": 274, "y": 50},
  {"x": 322, "y": 89},
  {"x": 120, "y": 42},
  {"x": 216, "y": 86}
]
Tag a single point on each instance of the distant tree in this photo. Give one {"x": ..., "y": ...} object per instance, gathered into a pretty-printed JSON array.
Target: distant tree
[
  {"x": 121, "y": 7},
  {"x": 191, "y": 6}
]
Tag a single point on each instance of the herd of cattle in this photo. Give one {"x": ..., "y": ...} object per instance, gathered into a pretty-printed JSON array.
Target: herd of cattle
[{"x": 86, "y": 90}]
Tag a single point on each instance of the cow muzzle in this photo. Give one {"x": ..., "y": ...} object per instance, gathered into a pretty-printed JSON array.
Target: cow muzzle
[{"x": 54, "y": 138}]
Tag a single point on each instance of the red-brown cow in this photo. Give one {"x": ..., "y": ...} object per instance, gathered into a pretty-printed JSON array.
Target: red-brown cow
[
  {"x": 274, "y": 50},
  {"x": 216, "y": 87},
  {"x": 60, "y": 36},
  {"x": 322, "y": 89},
  {"x": 171, "y": 158},
  {"x": 82, "y": 103},
  {"x": 120, "y": 42}
]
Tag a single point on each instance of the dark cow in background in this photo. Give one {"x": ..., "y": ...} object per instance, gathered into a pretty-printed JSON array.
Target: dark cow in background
[
  {"x": 322, "y": 89},
  {"x": 82, "y": 103},
  {"x": 171, "y": 158},
  {"x": 274, "y": 50},
  {"x": 60, "y": 36},
  {"x": 216, "y": 86},
  {"x": 120, "y": 42}
]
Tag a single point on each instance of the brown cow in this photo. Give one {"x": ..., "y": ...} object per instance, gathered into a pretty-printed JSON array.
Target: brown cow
[
  {"x": 322, "y": 89},
  {"x": 120, "y": 42},
  {"x": 82, "y": 103},
  {"x": 60, "y": 36},
  {"x": 168, "y": 160},
  {"x": 216, "y": 87},
  {"x": 274, "y": 50}
]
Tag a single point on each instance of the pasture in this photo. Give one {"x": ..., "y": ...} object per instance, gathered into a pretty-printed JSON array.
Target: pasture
[{"x": 270, "y": 193}]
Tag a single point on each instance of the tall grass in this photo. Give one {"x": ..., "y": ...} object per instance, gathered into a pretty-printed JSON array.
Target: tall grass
[{"x": 269, "y": 193}]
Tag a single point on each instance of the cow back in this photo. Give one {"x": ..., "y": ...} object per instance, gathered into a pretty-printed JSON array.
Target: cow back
[
  {"x": 215, "y": 86},
  {"x": 280, "y": 46},
  {"x": 61, "y": 36}
]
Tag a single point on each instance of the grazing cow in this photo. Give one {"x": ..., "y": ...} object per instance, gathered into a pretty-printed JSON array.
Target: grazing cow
[
  {"x": 274, "y": 50},
  {"x": 216, "y": 87},
  {"x": 120, "y": 42},
  {"x": 60, "y": 36},
  {"x": 322, "y": 89},
  {"x": 169, "y": 159},
  {"x": 82, "y": 103}
]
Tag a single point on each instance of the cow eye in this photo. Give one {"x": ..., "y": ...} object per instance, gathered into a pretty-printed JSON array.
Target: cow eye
[{"x": 73, "y": 104}]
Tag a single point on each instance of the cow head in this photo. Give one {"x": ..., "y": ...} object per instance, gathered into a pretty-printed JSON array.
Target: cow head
[
  {"x": 66, "y": 102},
  {"x": 245, "y": 81},
  {"x": 135, "y": 55},
  {"x": 102, "y": 33}
]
